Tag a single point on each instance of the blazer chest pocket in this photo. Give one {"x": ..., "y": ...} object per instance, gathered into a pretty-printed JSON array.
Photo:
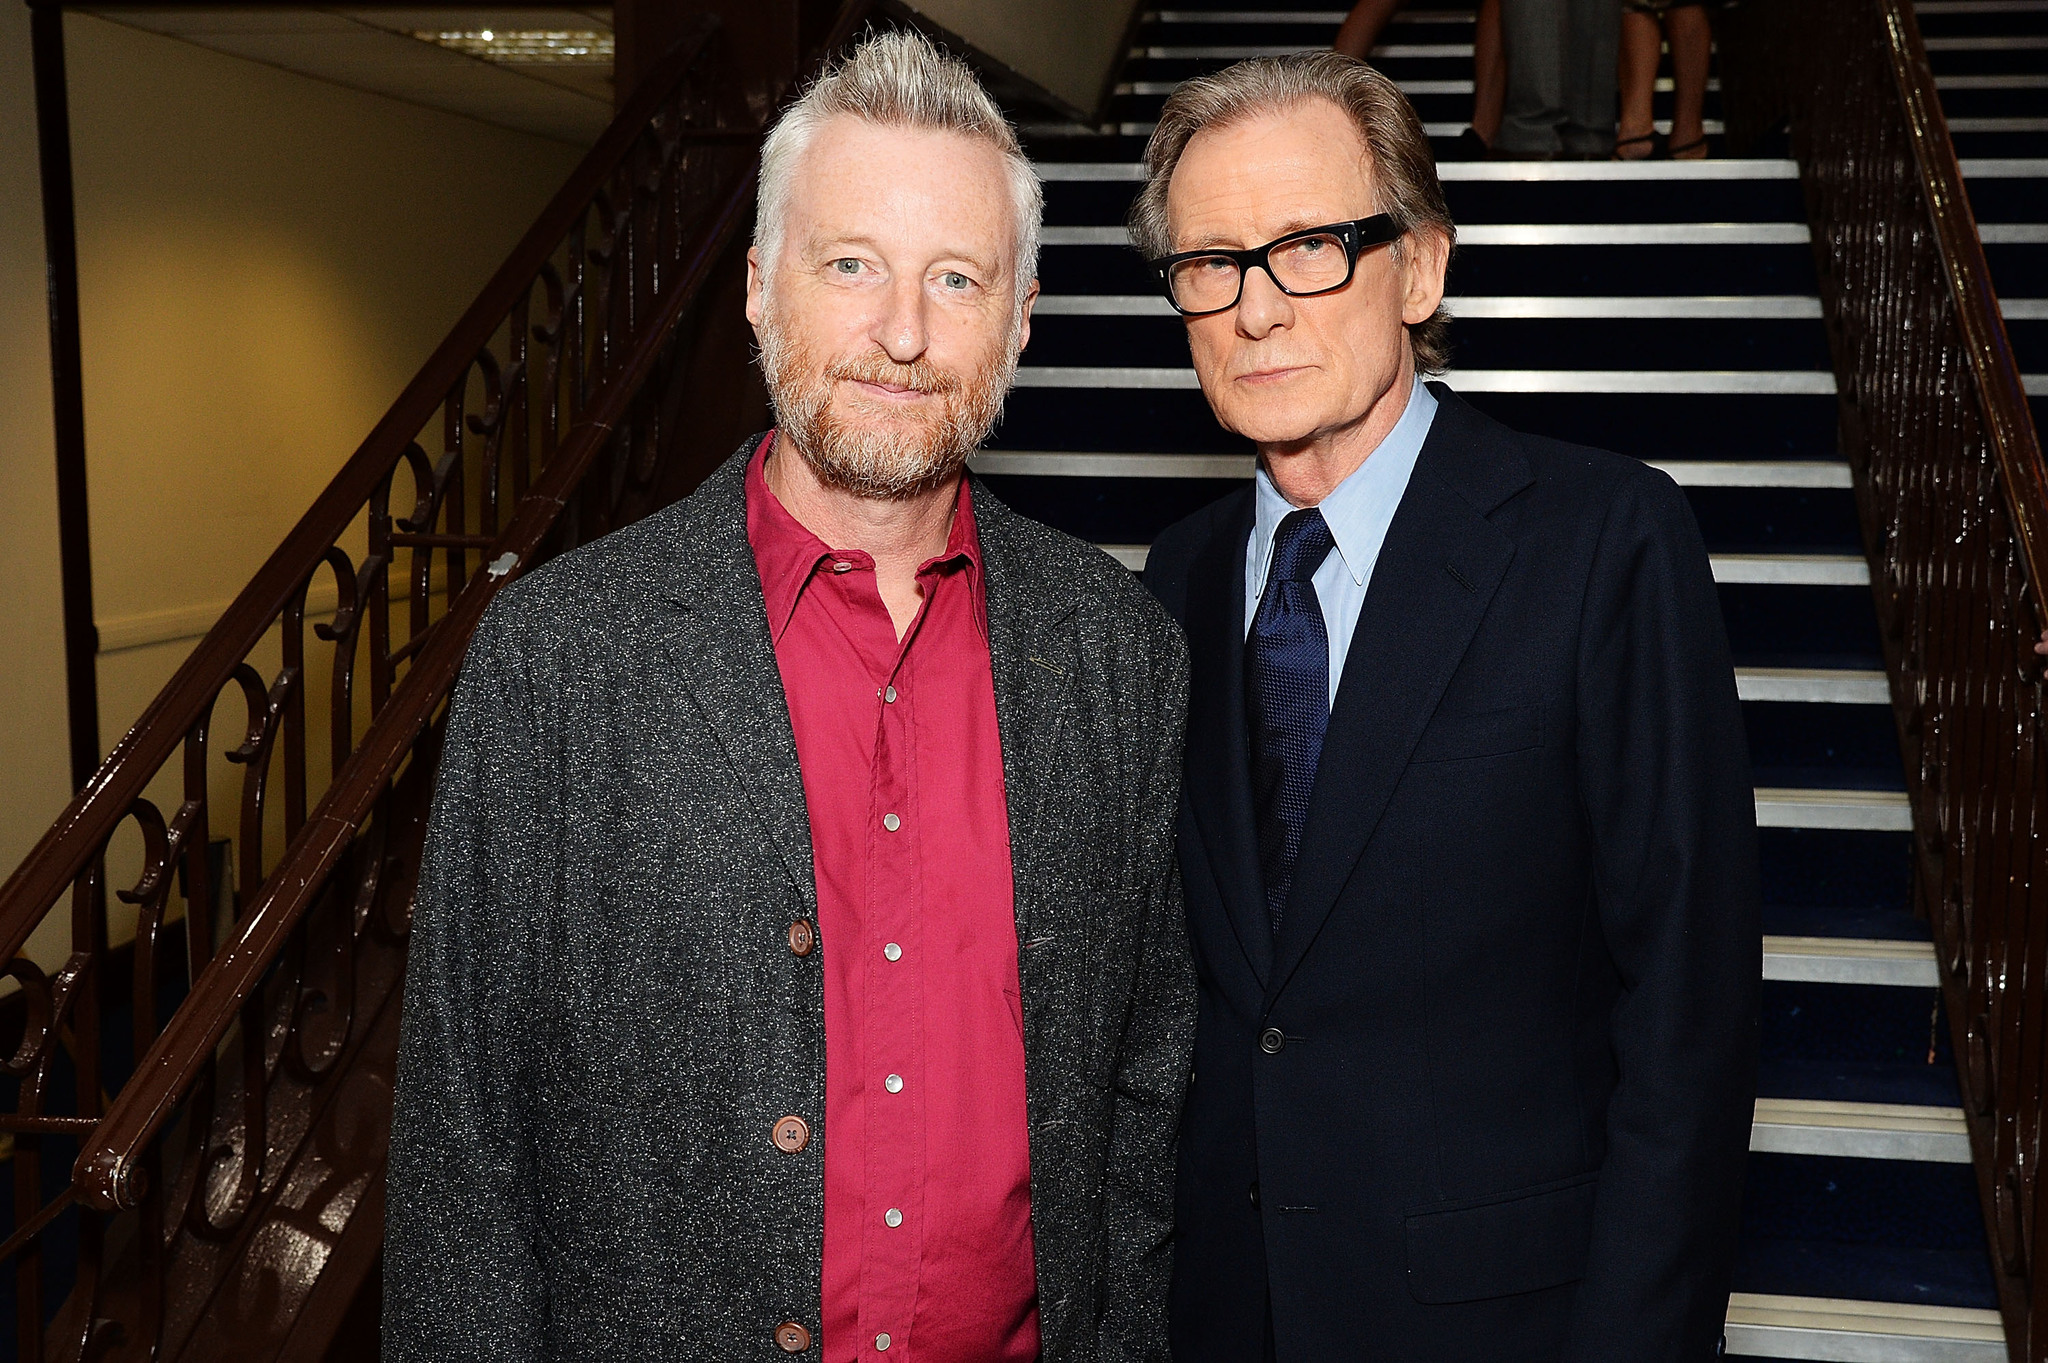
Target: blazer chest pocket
[
  {"x": 1517, "y": 1243},
  {"x": 1485, "y": 733}
]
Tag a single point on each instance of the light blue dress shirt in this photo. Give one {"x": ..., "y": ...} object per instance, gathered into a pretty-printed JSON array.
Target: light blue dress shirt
[{"x": 1358, "y": 512}]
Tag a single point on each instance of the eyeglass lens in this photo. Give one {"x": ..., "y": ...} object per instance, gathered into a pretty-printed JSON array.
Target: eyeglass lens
[{"x": 1303, "y": 265}]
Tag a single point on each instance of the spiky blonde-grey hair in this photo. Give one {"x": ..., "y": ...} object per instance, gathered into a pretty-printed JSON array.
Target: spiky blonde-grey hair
[{"x": 897, "y": 79}]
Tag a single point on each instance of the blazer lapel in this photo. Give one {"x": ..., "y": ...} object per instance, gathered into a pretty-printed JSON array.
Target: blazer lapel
[
  {"x": 1219, "y": 786},
  {"x": 1031, "y": 660},
  {"x": 726, "y": 659},
  {"x": 1436, "y": 574}
]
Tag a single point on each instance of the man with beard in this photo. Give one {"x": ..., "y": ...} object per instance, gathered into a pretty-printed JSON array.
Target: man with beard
[{"x": 799, "y": 964}]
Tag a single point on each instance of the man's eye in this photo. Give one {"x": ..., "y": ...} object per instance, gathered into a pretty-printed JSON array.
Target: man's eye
[
  {"x": 953, "y": 279},
  {"x": 847, "y": 265}
]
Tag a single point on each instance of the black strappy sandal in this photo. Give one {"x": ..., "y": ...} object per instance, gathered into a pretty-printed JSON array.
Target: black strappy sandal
[
  {"x": 1697, "y": 144},
  {"x": 1659, "y": 148}
]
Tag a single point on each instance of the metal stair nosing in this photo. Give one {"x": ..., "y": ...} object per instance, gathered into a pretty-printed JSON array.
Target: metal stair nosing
[{"x": 1842, "y": 1331}]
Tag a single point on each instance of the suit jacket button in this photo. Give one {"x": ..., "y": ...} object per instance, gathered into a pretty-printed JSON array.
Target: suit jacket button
[
  {"x": 1272, "y": 1041},
  {"x": 1255, "y": 1192},
  {"x": 792, "y": 1338},
  {"x": 791, "y": 1135},
  {"x": 802, "y": 937}
]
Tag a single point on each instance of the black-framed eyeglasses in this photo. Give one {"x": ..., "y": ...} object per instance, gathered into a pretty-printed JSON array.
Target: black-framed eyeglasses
[{"x": 1302, "y": 264}]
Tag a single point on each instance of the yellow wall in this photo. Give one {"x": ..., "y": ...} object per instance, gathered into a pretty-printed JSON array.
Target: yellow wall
[{"x": 265, "y": 260}]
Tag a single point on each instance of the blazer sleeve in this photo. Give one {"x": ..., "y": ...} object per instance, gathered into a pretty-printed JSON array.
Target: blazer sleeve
[
  {"x": 1158, "y": 1036},
  {"x": 462, "y": 1277},
  {"x": 1665, "y": 779}
]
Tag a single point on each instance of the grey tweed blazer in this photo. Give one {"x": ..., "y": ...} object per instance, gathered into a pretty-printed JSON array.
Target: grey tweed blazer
[{"x": 603, "y": 1016}]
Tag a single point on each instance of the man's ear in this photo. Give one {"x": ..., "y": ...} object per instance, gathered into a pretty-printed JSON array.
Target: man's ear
[
  {"x": 754, "y": 285},
  {"x": 1024, "y": 331},
  {"x": 1425, "y": 256}
]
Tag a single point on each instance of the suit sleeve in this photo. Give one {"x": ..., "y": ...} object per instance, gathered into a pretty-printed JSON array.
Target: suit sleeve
[
  {"x": 1158, "y": 1039},
  {"x": 1665, "y": 779},
  {"x": 462, "y": 1278}
]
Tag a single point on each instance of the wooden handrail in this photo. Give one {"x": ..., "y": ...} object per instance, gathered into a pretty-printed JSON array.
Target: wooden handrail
[
  {"x": 1953, "y": 499},
  {"x": 81, "y": 830}
]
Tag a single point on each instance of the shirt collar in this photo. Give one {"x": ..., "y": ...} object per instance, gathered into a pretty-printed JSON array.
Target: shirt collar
[
  {"x": 787, "y": 555},
  {"x": 1368, "y": 495}
]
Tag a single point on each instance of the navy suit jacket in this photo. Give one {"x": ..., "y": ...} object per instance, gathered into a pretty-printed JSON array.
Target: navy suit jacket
[{"x": 1488, "y": 1095}]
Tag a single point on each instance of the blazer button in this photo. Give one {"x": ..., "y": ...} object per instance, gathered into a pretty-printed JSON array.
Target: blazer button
[
  {"x": 791, "y": 1135},
  {"x": 802, "y": 937},
  {"x": 1272, "y": 1041},
  {"x": 792, "y": 1338},
  {"x": 1255, "y": 1192}
]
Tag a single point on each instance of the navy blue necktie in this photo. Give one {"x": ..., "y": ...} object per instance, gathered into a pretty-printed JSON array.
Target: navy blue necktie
[{"x": 1287, "y": 697}]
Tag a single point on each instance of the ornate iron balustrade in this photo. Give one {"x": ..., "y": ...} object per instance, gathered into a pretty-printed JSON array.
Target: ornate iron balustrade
[
  {"x": 248, "y": 1135},
  {"x": 1953, "y": 499}
]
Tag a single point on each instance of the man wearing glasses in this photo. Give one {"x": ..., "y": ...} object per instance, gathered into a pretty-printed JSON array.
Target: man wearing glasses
[{"x": 1467, "y": 831}]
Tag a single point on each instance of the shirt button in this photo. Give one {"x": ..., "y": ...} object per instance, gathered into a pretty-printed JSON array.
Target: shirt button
[
  {"x": 891, "y": 822},
  {"x": 892, "y": 952},
  {"x": 894, "y": 1083},
  {"x": 889, "y": 694},
  {"x": 892, "y": 1218},
  {"x": 842, "y": 567},
  {"x": 882, "y": 1342}
]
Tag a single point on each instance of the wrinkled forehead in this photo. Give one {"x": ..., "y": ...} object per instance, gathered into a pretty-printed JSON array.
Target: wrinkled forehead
[
  {"x": 1298, "y": 165},
  {"x": 912, "y": 189}
]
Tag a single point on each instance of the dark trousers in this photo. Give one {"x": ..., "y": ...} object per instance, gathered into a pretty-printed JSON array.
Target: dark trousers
[{"x": 1561, "y": 57}]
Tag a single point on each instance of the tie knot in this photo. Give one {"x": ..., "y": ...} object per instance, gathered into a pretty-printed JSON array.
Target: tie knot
[{"x": 1300, "y": 545}]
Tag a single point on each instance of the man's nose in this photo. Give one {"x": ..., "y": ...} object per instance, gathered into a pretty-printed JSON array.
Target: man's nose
[
  {"x": 1262, "y": 307},
  {"x": 900, "y": 329}
]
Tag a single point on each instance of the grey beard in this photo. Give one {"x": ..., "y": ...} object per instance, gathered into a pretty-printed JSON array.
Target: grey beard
[{"x": 882, "y": 465}]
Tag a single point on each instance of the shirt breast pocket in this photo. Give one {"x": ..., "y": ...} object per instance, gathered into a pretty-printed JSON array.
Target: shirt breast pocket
[{"x": 1457, "y": 737}]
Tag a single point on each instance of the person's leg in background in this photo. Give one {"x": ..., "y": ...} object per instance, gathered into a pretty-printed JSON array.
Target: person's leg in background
[
  {"x": 1360, "y": 32},
  {"x": 1642, "y": 47},
  {"x": 1489, "y": 72},
  {"x": 1692, "y": 43},
  {"x": 1592, "y": 38},
  {"x": 1533, "y": 45}
]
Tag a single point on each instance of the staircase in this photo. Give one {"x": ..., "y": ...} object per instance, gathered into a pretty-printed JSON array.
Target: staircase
[{"x": 1669, "y": 311}]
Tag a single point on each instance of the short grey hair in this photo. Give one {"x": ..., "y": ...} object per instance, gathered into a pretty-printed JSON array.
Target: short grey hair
[
  {"x": 1404, "y": 170},
  {"x": 897, "y": 79}
]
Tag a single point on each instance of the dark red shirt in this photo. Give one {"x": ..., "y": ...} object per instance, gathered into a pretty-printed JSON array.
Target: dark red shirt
[{"x": 928, "y": 1251}]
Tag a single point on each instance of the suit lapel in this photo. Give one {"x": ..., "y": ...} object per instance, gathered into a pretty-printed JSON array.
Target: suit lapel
[
  {"x": 726, "y": 659},
  {"x": 1032, "y": 663},
  {"x": 1436, "y": 575},
  {"x": 1219, "y": 788}
]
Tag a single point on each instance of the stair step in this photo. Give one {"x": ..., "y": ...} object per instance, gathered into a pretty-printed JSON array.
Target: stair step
[
  {"x": 1824, "y": 685},
  {"x": 1539, "y": 307},
  {"x": 1869, "y": 811},
  {"x": 1973, "y": 167},
  {"x": 1782, "y": 382},
  {"x": 1792, "y": 570},
  {"x": 1981, "y": 7},
  {"x": 1761, "y": 1326},
  {"x": 1801, "y": 473},
  {"x": 1806, "y": 1126},
  {"x": 1591, "y": 234},
  {"x": 1850, "y": 960}
]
